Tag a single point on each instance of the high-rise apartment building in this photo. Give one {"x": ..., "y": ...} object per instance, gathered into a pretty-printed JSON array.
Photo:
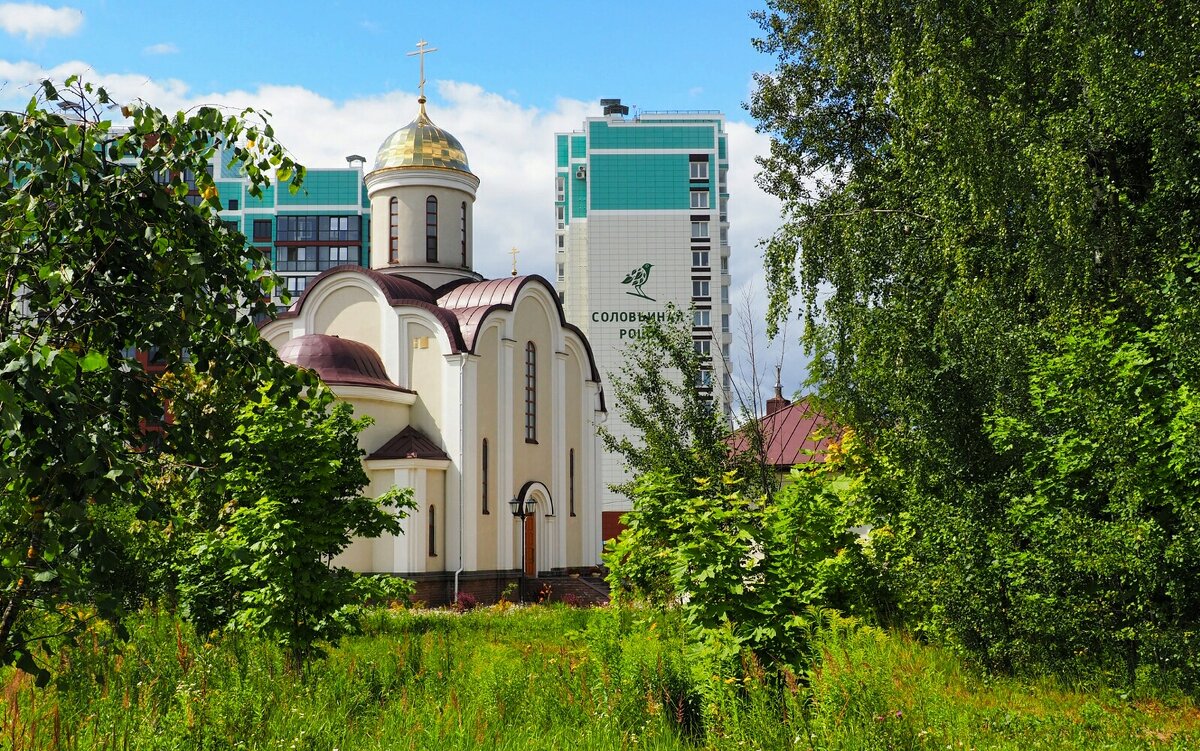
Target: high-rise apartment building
[
  {"x": 641, "y": 205},
  {"x": 324, "y": 224}
]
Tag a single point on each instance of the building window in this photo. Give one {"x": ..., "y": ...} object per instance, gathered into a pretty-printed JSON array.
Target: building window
[
  {"x": 295, "y": 285},
  {"x": 703, "y": 379},
  {"x": 702, "y": 319},
  {"x": 725, "y": 264},
  {"x": 324, "y": 228},
  {"x": 433, "y": 532},
  {"x": 562, "y": 240},
  {"x": 484, "y": 462},
  {"x": 232, "y": 204},
  {"x": 462, "y": 231},
  {"x": 724, "y": 236},
  {"x": 394, "y": 231},
  {"x": 262, "y": 230},
  {"x": 530, "y": 393},
  {"x": 698, "y": 170},
  {"x": 700, "y": 288},
  {"x": 560, "y": 188},
  {"x": 725, "y": 294},
  {"x": 725, "y": 322},
  {"x": 699, "y": 230},
  {"x": 560, "y": 215},
  {"x": 703, "y": 347},
  {"x": 699, "y": 199},
  {"x": 571, "y": 475},
  {"x": 431, "y": 250},
  {"x": 315, "y": 257},
  {"x": 699, "y": 259},
  {"x": 561, "y": 269}
]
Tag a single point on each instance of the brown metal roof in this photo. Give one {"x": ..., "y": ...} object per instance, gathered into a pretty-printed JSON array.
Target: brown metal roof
[
  {"x": 409, "y": 443},
  {"x": 338, "y": 361},
  {"x": 795, "y": 434}
]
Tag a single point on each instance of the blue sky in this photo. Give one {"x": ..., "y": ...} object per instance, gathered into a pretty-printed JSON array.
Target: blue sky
[
  {"x": 506, "y": 76},
  {"x": 658, "y": 55}
]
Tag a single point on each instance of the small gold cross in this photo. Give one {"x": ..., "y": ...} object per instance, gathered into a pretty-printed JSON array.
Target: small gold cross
[{"x": 514, "y": 253}]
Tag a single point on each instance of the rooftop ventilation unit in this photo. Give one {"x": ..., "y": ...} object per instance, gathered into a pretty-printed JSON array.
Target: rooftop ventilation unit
[{"x": 613, "y": 107}]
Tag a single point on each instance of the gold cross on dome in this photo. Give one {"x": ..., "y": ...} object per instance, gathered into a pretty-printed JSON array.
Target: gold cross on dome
[
  {"x": 421, "y": 52},
  {"x": 514, "y": 253}
]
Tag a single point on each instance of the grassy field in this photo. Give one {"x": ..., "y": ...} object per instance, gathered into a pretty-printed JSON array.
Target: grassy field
[{"x": 552, "y": 678}]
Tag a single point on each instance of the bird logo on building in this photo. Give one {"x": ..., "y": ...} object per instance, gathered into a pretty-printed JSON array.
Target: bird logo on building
[{"x": 637, "y": 278}]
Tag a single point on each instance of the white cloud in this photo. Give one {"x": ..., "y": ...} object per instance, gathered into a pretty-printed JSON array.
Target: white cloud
[
  {"x": 162, "y": 48},
  {"x": 510, "y": 147},
  {"x": 35, "y": 21}
]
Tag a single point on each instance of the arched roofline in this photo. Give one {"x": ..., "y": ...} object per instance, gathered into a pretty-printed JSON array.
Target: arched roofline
[
  {"x": 397, "y": 291},
  {"x": 511, "y": 294}
]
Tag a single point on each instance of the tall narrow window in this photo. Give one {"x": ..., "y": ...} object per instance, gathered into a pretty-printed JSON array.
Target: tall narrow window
[
  {"x": 484, "y": 489},
  {"x": 530, "y": 393},
  {"x": 462, "y": 231},
  {"x": 431, "y": 249},
  {"x": 571, "y": 474},
  {"x": 433, "y": 531},
  {"x": 394, "y": 231}
]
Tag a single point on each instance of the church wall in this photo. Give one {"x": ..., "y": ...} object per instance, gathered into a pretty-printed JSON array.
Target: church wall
[
  {"x": 435, "y": 498},
  {"x": 488, "y": 350},
  {"x": 389, "y": 419},
  {"x": 351, "y": 313},
  {"x": 426, "y": 371},
  {"x": 534, "y": 461},
  {"x": 573, "y": 404}
]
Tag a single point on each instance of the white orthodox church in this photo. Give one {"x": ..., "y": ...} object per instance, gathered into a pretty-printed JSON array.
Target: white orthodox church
[{"x": 481, "y": 392}]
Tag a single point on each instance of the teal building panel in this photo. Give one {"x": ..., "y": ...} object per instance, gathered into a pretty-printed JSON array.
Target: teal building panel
[
  {"x": 721, "y": 149},
  {"x": 639, "y": 182},
  {"x": 578, "y": 147},
  {"x": 266, "y": 201},
  {"x": 601, "y": 135},
  {"x": 560, "y": 146},
  {"x": 324, "y": 188}
]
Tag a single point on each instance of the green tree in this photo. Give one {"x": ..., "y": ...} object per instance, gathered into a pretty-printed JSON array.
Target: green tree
[
  {"x": 963, "y": 184},
  {"x": 276, "y": 497},
  {"x": 675, "y": 428},
  {"x": 101, "y": 257}
]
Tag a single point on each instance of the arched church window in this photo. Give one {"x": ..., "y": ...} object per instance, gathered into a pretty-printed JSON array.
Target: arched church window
[
  {"x": 394, "y": 231},
  {"x": 484, "y": 453},
  {"x": 462, "y": 231},
  {"x": 433, "y": 531},
  {"x": 530, "y": 393},
  {"x": 571, "y": 475},
  {"x": 431, "y": 249}
]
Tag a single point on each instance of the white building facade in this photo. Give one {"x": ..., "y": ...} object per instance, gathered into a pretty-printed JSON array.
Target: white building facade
[{"x": 642, "y": 221}]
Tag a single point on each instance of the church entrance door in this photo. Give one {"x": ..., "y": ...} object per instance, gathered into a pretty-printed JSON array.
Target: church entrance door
[{"x": 531, "y": 545}]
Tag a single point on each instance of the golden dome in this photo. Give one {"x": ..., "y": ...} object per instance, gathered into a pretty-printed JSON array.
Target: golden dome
[{"x": 421, "y": 144}]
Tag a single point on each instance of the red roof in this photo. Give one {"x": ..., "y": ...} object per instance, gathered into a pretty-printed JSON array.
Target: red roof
[{"x": 794, "y": 434}]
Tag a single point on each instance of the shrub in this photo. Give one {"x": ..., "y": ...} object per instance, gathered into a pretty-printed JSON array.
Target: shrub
[{"x": 465, "y": 602}]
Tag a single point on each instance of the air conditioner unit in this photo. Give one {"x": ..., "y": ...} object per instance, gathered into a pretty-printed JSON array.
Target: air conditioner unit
[{"x": 581, "y": 173}]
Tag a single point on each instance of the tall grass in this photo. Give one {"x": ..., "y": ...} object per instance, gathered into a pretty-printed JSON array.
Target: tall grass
[{"x": 551, "y": 677}]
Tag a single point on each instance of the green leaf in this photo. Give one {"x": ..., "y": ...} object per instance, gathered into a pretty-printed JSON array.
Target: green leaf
[{"x": 93, "y": 361}]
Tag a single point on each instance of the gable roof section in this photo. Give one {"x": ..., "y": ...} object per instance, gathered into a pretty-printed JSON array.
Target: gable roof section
[
  {"x": 795, "y": 434},
  {"x": 409, "y": 443}
]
